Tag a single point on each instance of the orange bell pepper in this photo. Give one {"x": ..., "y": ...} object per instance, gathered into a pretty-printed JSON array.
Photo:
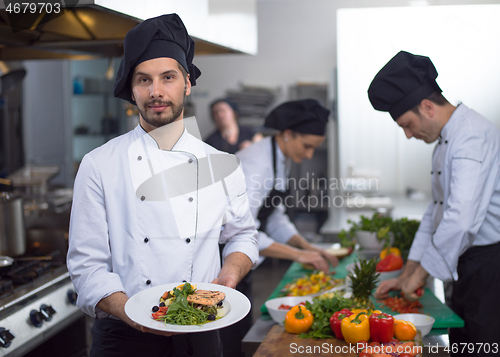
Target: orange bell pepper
[
  {"x": 404, "y": 330},
  {"x": 298, "y": 319},
  {"x": 386, "y": 251}
]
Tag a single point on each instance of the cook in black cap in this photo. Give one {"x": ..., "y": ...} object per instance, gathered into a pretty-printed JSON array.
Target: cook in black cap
[
  {"x": 229, "y": 135},
  {"x": 301, "y": 126},
  {"x": 139, "y": 217},
  {"x": 405, "y": 87},
  {"x": 163, "y": 38},
  {"x": 458, "y": 238}
]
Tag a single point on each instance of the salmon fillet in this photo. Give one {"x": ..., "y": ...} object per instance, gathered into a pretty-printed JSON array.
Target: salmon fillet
[{"x": 206, "y": 297}]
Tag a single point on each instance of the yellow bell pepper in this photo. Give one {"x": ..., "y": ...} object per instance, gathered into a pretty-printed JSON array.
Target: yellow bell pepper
[
  {"x": 386, "y": 251},
  {"x": 356, "y": 328},
  {"x": 368, "y": 312},
  {"x": 298, "y": 319}
]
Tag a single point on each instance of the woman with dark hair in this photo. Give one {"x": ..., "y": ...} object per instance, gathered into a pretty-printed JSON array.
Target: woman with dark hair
[{"x": 229, "y": 136}]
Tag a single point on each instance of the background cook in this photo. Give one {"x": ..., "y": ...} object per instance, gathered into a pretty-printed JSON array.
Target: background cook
[{"x": 459, "y": 236}]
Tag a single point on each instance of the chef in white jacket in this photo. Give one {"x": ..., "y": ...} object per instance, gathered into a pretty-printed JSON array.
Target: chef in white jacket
[
  {"x": 151, "y": 206},
  {"x": 267, "y": 163},
  {"x": 458, "y": 239}
]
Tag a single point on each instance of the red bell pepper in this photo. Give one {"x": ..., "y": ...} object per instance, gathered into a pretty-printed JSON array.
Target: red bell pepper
[
  {"x": 335, "y": 321},
  {"x": 381, "y": 327},
  {"x": 390, "y": 263}
]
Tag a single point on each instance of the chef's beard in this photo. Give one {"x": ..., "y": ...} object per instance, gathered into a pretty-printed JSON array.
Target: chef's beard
[{"x": 160, "y": 119}]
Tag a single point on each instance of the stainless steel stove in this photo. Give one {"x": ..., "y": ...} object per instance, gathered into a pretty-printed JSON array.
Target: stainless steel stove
[{"x": 37, "y": 302}]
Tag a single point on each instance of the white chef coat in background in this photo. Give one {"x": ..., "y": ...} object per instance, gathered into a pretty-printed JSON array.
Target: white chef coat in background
[
  {"x": 143, "y": 217},
  {"x": 257, "y": 163},
  {"x": 465, "y": 210}
]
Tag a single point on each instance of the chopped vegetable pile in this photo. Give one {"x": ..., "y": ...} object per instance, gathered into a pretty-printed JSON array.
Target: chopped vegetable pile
[
  {"x": 313, "y": 283},
  {"x": 402, "y": 305}
]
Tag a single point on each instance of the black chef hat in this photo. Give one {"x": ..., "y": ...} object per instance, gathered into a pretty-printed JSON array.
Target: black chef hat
[
  {"x": 162, "y": 36},
  {"x": 306, "y": 116},
  {"x": 402, "y": 84},
  {"x": 229, "y": 102}
]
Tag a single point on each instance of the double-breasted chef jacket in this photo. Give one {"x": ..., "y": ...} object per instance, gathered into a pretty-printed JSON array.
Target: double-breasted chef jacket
[
  {"x": 143, "y": 216},
  {"x": 465, "y": 210}
]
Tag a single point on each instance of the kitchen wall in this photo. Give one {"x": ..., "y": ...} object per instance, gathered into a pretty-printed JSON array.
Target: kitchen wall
[{"x": 298, "y": 43}]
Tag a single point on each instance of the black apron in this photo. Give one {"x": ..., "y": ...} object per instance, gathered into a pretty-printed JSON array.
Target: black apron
[
  {"x": 475, "y": 299},
  {"x": 268, "y": 206},
  {"x": 231, "y": 336}
]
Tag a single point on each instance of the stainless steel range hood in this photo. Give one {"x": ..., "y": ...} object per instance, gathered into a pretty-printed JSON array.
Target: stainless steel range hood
[{"x": 96, "y": 28}]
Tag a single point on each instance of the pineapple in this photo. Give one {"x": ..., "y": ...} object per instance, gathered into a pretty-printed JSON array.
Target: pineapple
[{"x": 364, "y": 278}]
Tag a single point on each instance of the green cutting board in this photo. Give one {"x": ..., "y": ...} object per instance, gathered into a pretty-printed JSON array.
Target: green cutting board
[{"x": 444, "y": 316}]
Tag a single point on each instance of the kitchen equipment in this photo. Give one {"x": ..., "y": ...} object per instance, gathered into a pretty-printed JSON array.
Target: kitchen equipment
[
  {"x": 33, "y": 179},
  {"x": 38, "y": 309},
  {"x": 12, "y": 229}
]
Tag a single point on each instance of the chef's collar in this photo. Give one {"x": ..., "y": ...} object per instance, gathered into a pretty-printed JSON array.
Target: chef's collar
[{"x": 453, "y": 123}]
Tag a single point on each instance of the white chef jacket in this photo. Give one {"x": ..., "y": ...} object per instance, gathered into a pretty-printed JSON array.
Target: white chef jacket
[
  {"x": 143, "y": 217},
  {"x": 465, "y": 210},
  {"x": 257, "y": 163}
]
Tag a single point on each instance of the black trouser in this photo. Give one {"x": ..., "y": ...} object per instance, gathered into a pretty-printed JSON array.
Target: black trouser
[
  {"x": 114, "y": 338},
  {"x": 475, "y": 298},
  {"x": 231, "y": 336}
]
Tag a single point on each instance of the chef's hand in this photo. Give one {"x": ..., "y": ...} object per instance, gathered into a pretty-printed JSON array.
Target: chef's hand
[
  {"x": 383, "y": 289},
  {"x": 114, "y": 304},
  {"x": 314, "y": 258},
  {"x": 414, "y": 282},
  {"x": 226, "y": 280},
  {"x": 332, "y": 259}
]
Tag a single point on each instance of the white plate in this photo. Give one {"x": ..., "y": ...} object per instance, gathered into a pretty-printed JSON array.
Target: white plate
[{"x": 138, "y": 308}]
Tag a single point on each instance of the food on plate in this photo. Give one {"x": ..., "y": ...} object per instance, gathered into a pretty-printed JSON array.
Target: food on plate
[
  {"x": 356, "y": 328},
  {"x": 390, "y": 263},
  {"x": 402, "y": 305},
  {"x": 336, "y": 322},
  {"x": 185, "y": 305},
  {"x": 364, "y": 278},
  {"x": 381, "y": 327},
  {"x": 404, "y": 330},
  {"x": 311, "y": 284},
  {"x": 298, "y": 319}
]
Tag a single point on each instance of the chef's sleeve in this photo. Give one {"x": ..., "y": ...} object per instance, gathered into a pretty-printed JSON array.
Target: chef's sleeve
[
  {"x": 279, "y": 226},
  {"x": 89, "y": 255},
  {"x": 423, "y": 236},
  {"x": 474, "y": 171},
  {"x": 239, "y": 233}
]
